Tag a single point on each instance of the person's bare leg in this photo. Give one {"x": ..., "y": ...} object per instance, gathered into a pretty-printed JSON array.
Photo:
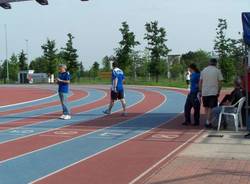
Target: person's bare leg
[
  {"x": 108, "y": 111},
  {"x": 209, "y": 115},
  {"x": 123, "y": 102}
]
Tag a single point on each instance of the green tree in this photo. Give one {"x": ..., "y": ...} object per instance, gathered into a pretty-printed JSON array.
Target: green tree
[
  {"x": 200, "y": 58},
  {"x": 39, "y": 65},
  {"x": 106, "y": 64},
  {"x": 95, "y": 70},
  {"x": 50, "y": 56},
  {"x": 222, "y": 48},
  {"x": 126, "y": 46},
  {"x": 13, "y": 68},
  {"x": 156, "y": 38},
  {"x": 22, "y": 61},
  {"x": 70, "y": 56}
]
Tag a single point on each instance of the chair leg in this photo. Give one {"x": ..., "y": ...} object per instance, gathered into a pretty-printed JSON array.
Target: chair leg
[
  {"x": 236, "y": 122},
  {"x": 219, "y": 123},
  {"x": 241, "y": 121}
]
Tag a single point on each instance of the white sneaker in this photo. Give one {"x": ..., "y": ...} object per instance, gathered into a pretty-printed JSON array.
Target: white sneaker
[
  {"x": 62, "y": 116},
  {"x": 67, "y": 117}
]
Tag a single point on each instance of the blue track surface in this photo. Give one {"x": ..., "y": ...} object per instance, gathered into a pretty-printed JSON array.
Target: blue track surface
[{"x": 32, "y": 166}]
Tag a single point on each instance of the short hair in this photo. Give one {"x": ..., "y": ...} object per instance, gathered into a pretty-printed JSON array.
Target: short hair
[
  {"x": 115, "y": 64},
  {"x": 194, "y": 67},
  {"x": 62, "y": 66},
  {"x": 213, "y": 61}
]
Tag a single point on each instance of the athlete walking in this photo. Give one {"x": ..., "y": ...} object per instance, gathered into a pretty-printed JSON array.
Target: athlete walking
[{"x": 117, "y": 89}]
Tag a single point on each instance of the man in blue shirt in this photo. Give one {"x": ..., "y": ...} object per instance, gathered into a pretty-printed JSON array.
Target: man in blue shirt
[
  {"x": 193, "y": 99},
  {"x": 63, "y": 81},
  {"x": 117, "y": 90}
]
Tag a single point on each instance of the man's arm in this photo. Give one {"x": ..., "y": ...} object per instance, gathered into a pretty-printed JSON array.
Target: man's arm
[
  {"x": 63, "y": 81},
  {"x": 200, "y": 85}
]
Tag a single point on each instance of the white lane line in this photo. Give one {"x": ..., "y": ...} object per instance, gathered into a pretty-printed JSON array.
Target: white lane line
[
  {"x": 109, "y": 148},
  {"x": 63, "y": 127},
  {"x": 39, "y": 122},
  {"x": 137, "y": 179},
  {"x": 32, "y": 101},
  {"x": 52, "y": 130}
]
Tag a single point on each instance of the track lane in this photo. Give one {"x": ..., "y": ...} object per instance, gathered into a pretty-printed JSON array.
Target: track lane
[
  {"x": 123, "y": 162},
  {"x": 46, "y": 113},
  {"x": 34, "y": 93},
  {"x": 133, "y": 96},
  {"x": 15, "y": 148},
  {"x": 77, "y": 95},
  {"x": 22, "y": 128}
]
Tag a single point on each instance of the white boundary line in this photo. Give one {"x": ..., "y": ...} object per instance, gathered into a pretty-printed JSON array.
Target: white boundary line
[
  {"x": 105, "y": 95},
  {"x": 33, "y": 110},
  {"x": 23, "y": 103},
  {"x": 109, "y": 148},
  {"x": 165, "y": 158},
  {"x": 65, "y": 127}
]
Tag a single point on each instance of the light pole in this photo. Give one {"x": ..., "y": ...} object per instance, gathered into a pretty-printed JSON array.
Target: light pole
[
  {"x": 6, "y": 49},
  {"x": 27, "y": 49}
]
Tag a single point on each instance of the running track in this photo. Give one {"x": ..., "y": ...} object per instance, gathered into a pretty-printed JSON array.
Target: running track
[{"x": 37, "y": 147}]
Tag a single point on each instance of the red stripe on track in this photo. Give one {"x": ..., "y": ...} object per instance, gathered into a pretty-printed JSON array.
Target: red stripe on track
[
  {"x": 125, "y": 162},
  {"x": 55, "y": 115},
  {"x": 77, "y": 94},
  {"x": 13, "y": 95},
  {"x": 25, "y": 145},
  {"x": 151, "y": 100}
]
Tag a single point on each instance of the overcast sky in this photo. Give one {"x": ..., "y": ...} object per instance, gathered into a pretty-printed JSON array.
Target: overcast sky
[{"x": 190, "y": 24}]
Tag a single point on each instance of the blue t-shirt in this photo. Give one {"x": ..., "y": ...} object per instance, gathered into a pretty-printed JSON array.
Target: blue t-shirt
[
  {"x": 194, "y": 81},
  {"x": 119, "y": 75},
  {"x": 63, "y": 87}
]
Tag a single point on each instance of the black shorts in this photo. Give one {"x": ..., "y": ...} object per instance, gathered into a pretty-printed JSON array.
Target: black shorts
[
  {"x": 210, "y": 101},
  {"x": 119, "y": 95}
]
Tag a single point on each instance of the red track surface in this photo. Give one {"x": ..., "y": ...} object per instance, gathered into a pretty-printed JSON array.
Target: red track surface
[
  {"x": 54, "y": 115},
  {"x": 124, "y": 163},
  {"x": 127, "y": 161},
  {"x": 77, "y": 94},
  {"x": 11, "y": 95},
  {"x": 25, "y": 145}
]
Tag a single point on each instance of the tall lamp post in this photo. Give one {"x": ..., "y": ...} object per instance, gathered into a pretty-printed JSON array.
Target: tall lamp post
[
  {"x": 6, "y": 52},
  {"x": 27, "y": 49}
]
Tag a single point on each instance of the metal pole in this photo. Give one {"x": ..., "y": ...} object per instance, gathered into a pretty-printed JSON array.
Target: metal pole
[
  {"x": 6, "y": 49},
  {"x": 246, "y": 87},
  {"x": 27, "y": 49}
]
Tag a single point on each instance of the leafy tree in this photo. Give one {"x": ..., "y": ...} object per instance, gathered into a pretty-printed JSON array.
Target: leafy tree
[
  {"x": 156, "y": 38},
  {"x": 50, "y": 56},
  {"x": 127, "y": 44},
  {"x": 200, "y": 58},
  {"x": 13, "y": 68},
  {"x": 106, "y": 64},
  {"x": 95, "y": 69},
  {"x": 39, "y": 65},
  {"x": 222, "y": 48},
  {"x": 22, "y": 61},
  {"x": 176, "y": 70},
  {"x": 81, "y": 69},
  {"x": 70, "y": 56}
]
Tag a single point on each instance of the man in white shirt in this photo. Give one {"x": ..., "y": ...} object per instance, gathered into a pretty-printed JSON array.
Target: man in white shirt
[{"x": 210, "y": 87}]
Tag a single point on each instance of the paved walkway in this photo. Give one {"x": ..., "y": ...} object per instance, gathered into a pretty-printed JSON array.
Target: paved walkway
[{"x": 209, "y": 160}]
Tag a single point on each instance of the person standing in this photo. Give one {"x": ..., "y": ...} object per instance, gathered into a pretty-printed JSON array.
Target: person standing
[
  {"x": 117, "y": 89},
  {"x": 193, "y": 100},
  {"x": 63, "y": 81},
  {"x": 188, "y": 76},
  {"x": 210, "y": 87}
]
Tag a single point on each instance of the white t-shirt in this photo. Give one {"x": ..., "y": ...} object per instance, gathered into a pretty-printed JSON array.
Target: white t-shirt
[
  {"x": 211, "y": 76},
  {"x": 188, "y": 75}
]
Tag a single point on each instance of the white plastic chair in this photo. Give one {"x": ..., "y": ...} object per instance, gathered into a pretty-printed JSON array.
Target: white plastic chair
[{"x": 235, "y": 111}]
